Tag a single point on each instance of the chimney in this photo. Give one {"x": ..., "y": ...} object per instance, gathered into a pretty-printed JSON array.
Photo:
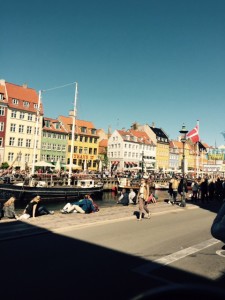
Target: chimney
[
  {"x": 25, "y": 85},
  {"x": 153, "y": 124},
  {"x": 2, "y": 81}
]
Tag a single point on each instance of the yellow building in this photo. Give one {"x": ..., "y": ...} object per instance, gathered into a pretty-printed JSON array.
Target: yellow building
[{"x": 86, "y": 140}]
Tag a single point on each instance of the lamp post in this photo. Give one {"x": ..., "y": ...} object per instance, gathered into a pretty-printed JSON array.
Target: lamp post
[
  {"x": 183, "y": 133},
  {"x": 142, "y": 163}
]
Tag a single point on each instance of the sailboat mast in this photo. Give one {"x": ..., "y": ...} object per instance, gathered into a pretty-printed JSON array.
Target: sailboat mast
[
  {"x": 36, "y": 131},
  {"x": 73, "y": 133}
]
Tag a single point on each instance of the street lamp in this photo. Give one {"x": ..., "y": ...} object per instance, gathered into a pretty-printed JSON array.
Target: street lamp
[
  {"x": 142, "y": 163},
  {"x": 183, "y": 133}
]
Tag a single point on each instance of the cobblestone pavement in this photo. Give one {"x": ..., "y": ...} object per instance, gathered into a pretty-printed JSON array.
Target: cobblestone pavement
[{"x": 12, "y": 229}]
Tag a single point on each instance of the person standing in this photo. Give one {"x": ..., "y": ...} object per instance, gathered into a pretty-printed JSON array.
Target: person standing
[
  {"x": 143, "y": 194},
  {"x": 175, "y": 184}
]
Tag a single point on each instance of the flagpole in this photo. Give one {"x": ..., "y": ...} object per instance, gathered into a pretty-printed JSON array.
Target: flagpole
[{"x": 197, "y": 154}]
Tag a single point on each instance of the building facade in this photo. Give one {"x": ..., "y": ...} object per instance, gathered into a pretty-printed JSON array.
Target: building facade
[{"x": 23, "y": 120}]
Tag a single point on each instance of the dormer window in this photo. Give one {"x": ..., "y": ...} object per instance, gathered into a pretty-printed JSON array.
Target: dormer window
[
  {"x": 47, "y": 123},
  {"x": 2, "y": 97},
  {"x": 93, "y": 131},
  {"x": 15, "y": 101},
  {"x": 84, "y": 129},
  {"x": 36, "y": 106},
  {"x": 26, "y": 104},
  {"x": 57, "y": 125}
]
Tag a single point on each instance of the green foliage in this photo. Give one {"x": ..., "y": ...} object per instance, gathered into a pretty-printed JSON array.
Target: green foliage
[{"x": 4, "y": 165}]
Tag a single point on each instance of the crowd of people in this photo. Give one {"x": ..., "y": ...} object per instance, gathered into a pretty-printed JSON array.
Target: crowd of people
[{"x": 35, "y": 209}]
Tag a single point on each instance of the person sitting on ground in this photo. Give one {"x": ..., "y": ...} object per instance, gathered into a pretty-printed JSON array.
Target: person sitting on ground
[
  {"x": 33, "y": 209},
  {"x": 9, "y": 209},
  {"x": 83, "y": 206},
  {"x": 124, "y": 198},
  {"x": 132, "y": 197},
  {"x": 218, "y": 225}
]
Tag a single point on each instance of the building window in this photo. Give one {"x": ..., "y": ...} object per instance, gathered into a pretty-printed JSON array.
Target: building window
[
  {"x": 58, "y": 147},
  {"x": 10, "y": 156},
  {"x": 1, "y": 142},
  {"x": 13, "y": 114},
  {"x": 2, "y": 110},
  {"x": 21, "y": 128},
  {"x": 20, "y": 142},
  {"x": 28, "y": 143},
  {"x": 36, "y": 106},
  {"x": 2, "y": 96},
  {"x": 49, "y": 135},
  {"x": 29, "y": 117},
  {"x": 27, "y": 157},
  {"x": 22, "y": 115},
  {"x": 29, "y": 129},
  {"x": 15, "y": 101},
  {"x": 53, "y": 146},
  {"x": 13, "y": 127},
  {"x": 93, "y": 131},
  {"x": 63, "y": 147},
  {"x": 48, "y": 146},
  {"x": 11, "y": 141},
  {"x": 1, "y": 126},
  {"x": 26, "y": 104},
  {"x": 84, "y": 129}
]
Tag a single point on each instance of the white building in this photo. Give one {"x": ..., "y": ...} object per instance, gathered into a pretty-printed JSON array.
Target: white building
[{"x": 130, "y": 150}]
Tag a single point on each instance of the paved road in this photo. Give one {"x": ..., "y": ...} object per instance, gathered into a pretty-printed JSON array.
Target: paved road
[
  {"x": 59, "y": 222},
  {"x": 42, "y": 260}
]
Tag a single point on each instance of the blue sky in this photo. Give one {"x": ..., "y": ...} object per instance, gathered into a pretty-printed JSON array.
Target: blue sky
[{"x": 144, "y": 61}]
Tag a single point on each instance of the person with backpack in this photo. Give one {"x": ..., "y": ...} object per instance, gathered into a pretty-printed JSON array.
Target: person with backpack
[{"x": 83, "y": 206}]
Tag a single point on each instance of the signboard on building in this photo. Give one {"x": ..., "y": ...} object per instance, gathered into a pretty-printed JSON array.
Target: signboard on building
[{"x": 216, "y": 154}]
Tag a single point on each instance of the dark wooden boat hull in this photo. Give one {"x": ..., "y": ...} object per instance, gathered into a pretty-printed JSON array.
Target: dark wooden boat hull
[{"x": 63, "y": 193}]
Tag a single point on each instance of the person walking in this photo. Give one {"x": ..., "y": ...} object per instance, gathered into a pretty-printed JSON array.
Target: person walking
[
  {"x": 175, "y": 184},
  {"x": 143, "y": 194}
]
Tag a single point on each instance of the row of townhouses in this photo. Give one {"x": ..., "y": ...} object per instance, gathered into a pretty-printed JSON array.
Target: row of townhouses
[{"x": 27, "y": 136}]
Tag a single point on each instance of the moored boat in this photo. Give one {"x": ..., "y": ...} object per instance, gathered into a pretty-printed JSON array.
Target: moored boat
[
  {"x": 52, "y": 190},
  {"x": 161, "y": 184}
]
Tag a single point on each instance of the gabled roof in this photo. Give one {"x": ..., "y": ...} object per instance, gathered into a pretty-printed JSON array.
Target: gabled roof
[
  {"x": 103, "y": 143},
  {"x": 159, "y": 132},
  {"x": 140, "y": 136},
  {"x": 68, "y": 122},
  {"x": 22, "y": 93}
]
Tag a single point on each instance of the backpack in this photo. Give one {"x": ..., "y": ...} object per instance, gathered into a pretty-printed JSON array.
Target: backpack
[{"x": 96, "y": 207}]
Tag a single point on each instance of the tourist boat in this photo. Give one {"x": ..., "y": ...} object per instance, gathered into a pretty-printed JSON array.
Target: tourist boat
[
  {"x": 128, "y": 183},
  {"x": 52, "y": 188},
  {"x": 161, "y": 184}
]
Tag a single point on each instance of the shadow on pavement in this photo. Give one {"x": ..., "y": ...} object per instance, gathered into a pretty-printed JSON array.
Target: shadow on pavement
[{"x": 52, "y": 266}]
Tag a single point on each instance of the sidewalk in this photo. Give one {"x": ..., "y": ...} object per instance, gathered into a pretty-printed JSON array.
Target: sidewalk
[{"x": 57, "y": 223}]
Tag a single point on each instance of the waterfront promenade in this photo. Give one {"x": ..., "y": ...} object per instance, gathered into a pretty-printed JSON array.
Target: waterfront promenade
[{"x": 57, "y": 223}]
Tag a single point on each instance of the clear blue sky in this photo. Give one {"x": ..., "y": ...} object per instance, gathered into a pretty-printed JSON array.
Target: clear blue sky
[{"x": 142, "y": 61}]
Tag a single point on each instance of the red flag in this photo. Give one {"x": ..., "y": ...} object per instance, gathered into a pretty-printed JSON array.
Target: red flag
[{"x": 193, "y": 135}]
